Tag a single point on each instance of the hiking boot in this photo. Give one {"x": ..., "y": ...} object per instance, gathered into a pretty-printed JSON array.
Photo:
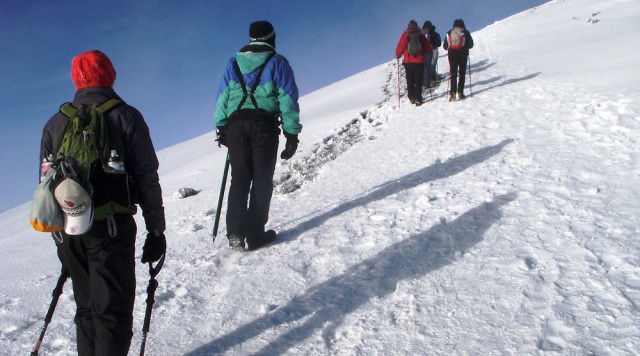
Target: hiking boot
[
  {"x": 236, "y": 242},
  {"x": 461, "y": 95},
  {"x": 452, "y": 97},
  {"x": 412, "y": 101},
  {"x": 418, "y": 103},
  {"x": 266, "y": 239}
]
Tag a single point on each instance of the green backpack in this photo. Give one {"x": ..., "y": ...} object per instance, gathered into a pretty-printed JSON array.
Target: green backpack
[{"x": 84, "y": 144}]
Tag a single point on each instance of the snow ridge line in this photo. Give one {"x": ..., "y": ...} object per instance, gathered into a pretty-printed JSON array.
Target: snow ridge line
[{"x": 308, "y": 167}]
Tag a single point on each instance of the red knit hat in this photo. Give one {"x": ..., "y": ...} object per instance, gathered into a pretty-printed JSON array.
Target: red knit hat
[{"x": 92, "y": 69}]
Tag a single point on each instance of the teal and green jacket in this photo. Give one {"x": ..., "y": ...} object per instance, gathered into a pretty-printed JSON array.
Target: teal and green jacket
[{"x": 276, "y": 93}]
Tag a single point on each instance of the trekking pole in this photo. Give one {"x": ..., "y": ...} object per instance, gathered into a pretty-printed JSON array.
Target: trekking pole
[
  {"x": 151, "y": 290},
  {"x": 430, "y": 92},
  {"x": 448, "y": 83},
  {"x": 221, "y": 197},
  {"x": 398, "y": 67},
  {"x": 57, "y": 291},
  {"x": 470, "y": 85}
]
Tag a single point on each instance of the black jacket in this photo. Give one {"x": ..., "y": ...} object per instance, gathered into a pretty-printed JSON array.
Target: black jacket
[
  {"x": 129, "y": 136},
  {"x": 434, "y": 38},
  {"x": 468, "y": 43}
]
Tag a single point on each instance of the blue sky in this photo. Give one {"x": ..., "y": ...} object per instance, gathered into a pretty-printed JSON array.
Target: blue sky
[{"x": 169, "y": 56}]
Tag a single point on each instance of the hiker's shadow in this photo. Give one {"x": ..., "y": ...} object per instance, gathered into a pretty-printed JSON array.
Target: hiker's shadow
[
  {"x": 481, "y": 66},
  {"x": 326, "y": 305},
  {"x": 506, "y": 82},
  {"x": 436, "y": 171},
  {"x": 475, "y": 67},
  {"x": 478, "y": 68}
]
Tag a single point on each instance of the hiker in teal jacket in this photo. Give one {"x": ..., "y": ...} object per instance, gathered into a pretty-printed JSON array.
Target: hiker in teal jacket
[
  {"x": 276, "y": 93},
  {"x": 257, "y": 94}
]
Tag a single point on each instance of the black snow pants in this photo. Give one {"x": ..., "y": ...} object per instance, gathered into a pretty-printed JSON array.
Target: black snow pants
[
  {"x": 458, "y": 69},
  {"x": 414, "y": 73},
  {"x": 102, "y": 270},
  {"x": 252, "y": 139}
]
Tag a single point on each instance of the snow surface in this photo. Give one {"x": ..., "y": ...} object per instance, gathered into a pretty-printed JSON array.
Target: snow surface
[{"x": 506, "y": 223}]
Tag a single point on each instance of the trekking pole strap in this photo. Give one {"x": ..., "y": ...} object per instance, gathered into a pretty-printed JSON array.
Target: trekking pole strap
[
  {"x": 151, "y": 291},
  {"x": 153, "y": 272}
]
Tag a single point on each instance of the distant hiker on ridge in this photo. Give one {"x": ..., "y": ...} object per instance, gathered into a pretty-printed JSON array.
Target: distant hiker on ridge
[
  {"x": 430, "y": 74},
  {"x": 257, "y": 88},
  {"x": 414, "y": 46},
  {"x": 99, "y": 253},
  {"x": 458, "y": 42}
]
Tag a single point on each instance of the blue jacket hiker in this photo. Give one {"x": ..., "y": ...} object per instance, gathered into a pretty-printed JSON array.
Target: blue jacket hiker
[{"x": 257, "y": 94}]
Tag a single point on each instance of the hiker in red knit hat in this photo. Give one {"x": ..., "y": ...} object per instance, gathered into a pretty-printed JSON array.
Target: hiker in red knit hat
[
  {"x": 92, "y": 69},
  {"x": 101, "y": 261}
]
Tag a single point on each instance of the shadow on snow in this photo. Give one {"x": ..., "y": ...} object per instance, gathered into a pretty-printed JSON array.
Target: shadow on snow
[
  {"x": 325, "y": 306},
  {"x": 434, "y": 172},
  {"x": 475, "y": 69}
]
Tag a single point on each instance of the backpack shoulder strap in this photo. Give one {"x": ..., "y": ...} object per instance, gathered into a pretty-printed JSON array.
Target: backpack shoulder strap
[
  {"x": 257, "y": 81},
  {"x": 249, "y": 94},
  {"x": 236, "y": 68},
  {"x": 68, "y": 109},
  {"x": 101, "y": 138},
  {"x": 107, "y": 105}
]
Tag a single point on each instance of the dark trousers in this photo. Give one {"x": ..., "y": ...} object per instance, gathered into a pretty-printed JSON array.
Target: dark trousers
[
  {"x": 426, "y": 75},
  {"x": 414, "y": 73},
  {"x": 458, "y": 69},
  {"x": 102, "y": 270},
  {"x": 253, "y": 152}
]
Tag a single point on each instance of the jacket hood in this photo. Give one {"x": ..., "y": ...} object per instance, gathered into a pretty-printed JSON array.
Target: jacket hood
[{"x": 253, "y": 56}]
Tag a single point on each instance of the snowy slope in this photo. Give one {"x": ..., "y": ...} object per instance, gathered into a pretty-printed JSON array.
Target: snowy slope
[{"x": 506, "y": 223}]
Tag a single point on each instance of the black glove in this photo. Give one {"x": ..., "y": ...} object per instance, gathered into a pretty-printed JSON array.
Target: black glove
[
  {"x": 291, "y": 146},
  {"x": 221, "y": 136},
  {"x": 154, "y": 247}
]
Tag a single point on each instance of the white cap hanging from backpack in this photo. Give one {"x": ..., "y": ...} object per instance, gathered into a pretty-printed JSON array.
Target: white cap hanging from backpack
[{"x": 76, "y": 205}]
